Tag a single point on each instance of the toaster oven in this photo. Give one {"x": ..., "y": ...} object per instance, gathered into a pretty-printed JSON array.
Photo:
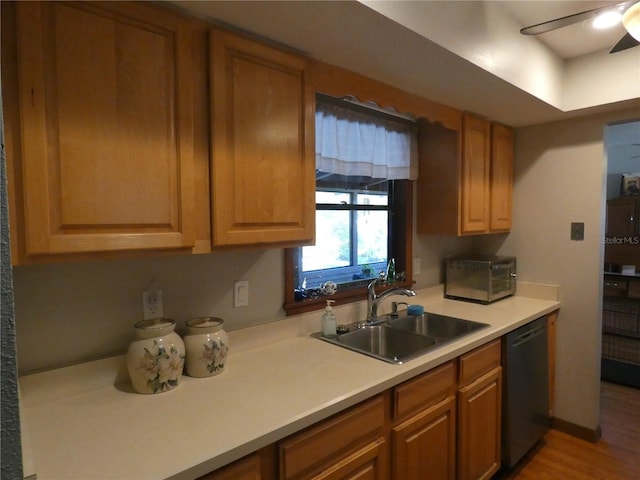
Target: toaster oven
[{"x": 483, "y": 279}]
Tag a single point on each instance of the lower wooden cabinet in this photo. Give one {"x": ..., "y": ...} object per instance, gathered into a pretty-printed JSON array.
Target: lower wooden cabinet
[
  {"x": 247, "y": 468},
  {"x": 260, "y": 465},
  {"x": 480, "y": 413},
  {"x": 444, "y": 424},
  {"x": 552, "y": 320},
  {"x": 423, "y": 440},
  {"x": 426, "y": 444},
  {"x": 350, "y": 445},
  {"x": 368, "y": 463}
]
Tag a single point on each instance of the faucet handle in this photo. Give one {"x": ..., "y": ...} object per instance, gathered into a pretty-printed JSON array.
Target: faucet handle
[{"x": 394, "y": 307}]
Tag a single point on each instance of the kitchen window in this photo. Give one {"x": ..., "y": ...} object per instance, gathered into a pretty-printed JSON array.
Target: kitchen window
[
  {"x": 352, "y": 224},
  {"x": 364, "y": 164}
]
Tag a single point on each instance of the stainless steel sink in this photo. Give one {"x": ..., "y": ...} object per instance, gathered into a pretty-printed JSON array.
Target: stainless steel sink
[
  {"x": 399, "y": 339},
  {"x": 384, "y": 343},
  {"x": 438, "y": 327}
]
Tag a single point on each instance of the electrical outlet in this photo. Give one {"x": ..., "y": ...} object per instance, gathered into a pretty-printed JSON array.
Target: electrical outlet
[{"x": 152, "y": 304}]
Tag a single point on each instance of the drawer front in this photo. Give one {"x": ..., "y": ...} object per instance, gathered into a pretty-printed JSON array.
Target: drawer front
[
  {"x": 423, "y": 391},
  {"x": 615, "y": 287},
  {"x": 248, "y": 468},
  {"x": 479, "y": 361},
  {"x": 332, "y": 439}
]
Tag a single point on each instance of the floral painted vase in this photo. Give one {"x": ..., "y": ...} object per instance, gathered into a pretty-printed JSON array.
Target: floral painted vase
[
  {"x": 156, "y": 359},
  {"x": 207, "y": 345}
]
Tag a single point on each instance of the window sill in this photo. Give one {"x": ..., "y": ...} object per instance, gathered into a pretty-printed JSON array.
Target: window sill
[{"x": 341, "y": 298}]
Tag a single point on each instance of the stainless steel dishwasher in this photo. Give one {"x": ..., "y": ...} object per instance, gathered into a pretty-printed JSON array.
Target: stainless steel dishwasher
[{"x": 525, "y": 414}]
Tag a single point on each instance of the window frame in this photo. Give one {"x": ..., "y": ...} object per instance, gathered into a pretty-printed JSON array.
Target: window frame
[
  {"x": 352, "y": 207},
  {"x": 400, "y": 248}
]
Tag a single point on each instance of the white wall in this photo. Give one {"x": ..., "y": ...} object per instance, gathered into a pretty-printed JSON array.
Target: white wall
[
  {"x": 73, "y": 312},
  {"x": 560, "y": 173},
  {"x": 581, "y": 74}
]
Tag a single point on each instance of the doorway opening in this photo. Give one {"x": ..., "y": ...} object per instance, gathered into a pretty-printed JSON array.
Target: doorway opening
[{"x": 620, "y": 361}]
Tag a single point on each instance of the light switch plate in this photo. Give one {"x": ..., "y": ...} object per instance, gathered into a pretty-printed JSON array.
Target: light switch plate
[
  {"x": 416, "y": 266},
  {"x": 241, "y": 293},
  {"x": 577, "y": 231}
]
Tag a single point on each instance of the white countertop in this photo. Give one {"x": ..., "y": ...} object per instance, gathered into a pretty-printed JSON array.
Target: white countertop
[{"x": 85, "y": 422}]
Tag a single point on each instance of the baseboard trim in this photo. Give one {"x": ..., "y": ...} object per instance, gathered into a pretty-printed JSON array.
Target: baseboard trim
[{"x": 578, "y": 431}]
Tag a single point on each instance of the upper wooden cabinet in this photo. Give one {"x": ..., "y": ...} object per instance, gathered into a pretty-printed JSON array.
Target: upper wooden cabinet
[
  {"x": 263, "y": 165},
  {"x": 465, "y": 182},
  {"x": 501, "y": 178},
  {"x": 102, "y": 157},
  {"x": 476, "y": 175}
]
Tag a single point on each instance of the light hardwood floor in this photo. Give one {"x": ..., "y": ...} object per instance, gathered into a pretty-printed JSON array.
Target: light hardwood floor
[{"x": 616, "y": 456}]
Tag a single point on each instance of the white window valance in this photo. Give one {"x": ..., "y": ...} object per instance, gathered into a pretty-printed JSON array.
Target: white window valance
[{"x": 349, "y": 142}]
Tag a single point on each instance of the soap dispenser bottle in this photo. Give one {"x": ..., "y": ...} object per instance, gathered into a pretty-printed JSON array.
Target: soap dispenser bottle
[{"x": 329, "y": 322}]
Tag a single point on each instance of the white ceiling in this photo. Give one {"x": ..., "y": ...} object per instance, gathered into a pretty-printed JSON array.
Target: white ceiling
[{"x": 466, "y": 54}]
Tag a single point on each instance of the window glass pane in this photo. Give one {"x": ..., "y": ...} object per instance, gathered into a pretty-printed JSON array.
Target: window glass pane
[
  {"x": 335, "y": 198},
  {"x": 372, "y": 236},
  {"x": 332, "y": 242},
  {"x": 350, "y": 259},
  {"x": 372, "y": 199}
]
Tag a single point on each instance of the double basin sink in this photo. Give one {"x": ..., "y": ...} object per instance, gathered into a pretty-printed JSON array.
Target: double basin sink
[{"x": 399, "y": 339}]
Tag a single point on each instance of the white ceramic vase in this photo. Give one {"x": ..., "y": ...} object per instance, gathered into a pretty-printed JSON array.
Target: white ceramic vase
[
  {"x": 156, "y": 359},
  {"x": 207, "y": 345}
]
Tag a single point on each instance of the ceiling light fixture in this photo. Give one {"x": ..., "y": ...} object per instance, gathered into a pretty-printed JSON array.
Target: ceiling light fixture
[
  {"x": 607, "y": 19},
  {"x": 631, "y": 20}
]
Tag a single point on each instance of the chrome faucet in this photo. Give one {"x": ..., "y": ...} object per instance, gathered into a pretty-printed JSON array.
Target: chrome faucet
[{"x": 374, "y": 300}]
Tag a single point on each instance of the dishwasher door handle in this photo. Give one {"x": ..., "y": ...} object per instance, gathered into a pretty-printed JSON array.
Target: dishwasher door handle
[{"x": 525, "y": 337}]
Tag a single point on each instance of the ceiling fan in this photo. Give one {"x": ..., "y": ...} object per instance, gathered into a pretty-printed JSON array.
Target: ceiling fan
[{"x": 628, "y": 11}]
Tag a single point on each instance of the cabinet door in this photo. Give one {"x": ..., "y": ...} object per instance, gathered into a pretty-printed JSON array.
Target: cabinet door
[
  {"x": 622, "y": 231},
  {"x": 263, "y": 166},
  {"x": 501, "y": 177},
  {"x": 425, "y": 445},
  {"x": 248, "y": 468},
  {"x": 476, "y": 173},
  {"x": 260, "y": 465},
  {"x": 106, "y": 120},
  {"x": 621, "y": 219},
  {"x": 479, "y": 424},
  {"x": 351, "y": 444},
  {"x": 365, "y": 464}
]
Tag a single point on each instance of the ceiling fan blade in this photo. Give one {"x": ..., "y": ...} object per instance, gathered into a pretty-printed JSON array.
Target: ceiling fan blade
[
  {"x": 624, "y": 43},
  {"x": 566, "y": 21}
]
